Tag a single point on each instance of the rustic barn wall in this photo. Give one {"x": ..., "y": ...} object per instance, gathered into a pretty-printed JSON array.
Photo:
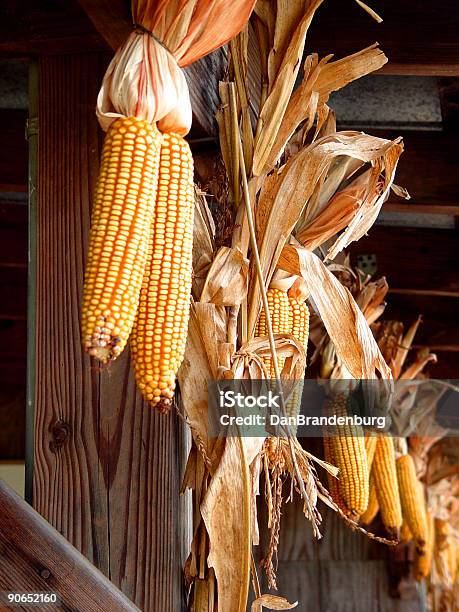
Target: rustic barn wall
[
  {"x": 106, "y": 468},
  {"x": 343, "y": 572}
]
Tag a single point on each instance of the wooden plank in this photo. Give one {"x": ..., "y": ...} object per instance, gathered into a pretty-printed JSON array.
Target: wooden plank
[
  {"x": 36, "y": 558},
  {"x": 34, "y": 27},
  {"x": 13, "y": 152},
  {"x": 415, "y": 259},
  {"x": 419, "y": 38},
  {"x": 422, "y": 209},
  {"x": 427, "y": 168},
  {"x": 107, "y": 468}
]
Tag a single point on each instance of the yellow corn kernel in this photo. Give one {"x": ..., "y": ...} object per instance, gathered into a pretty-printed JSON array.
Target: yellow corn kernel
[
  {"x": 279, "y": 310},
  {"x": 385, "y": 474},
  {"x": 412, "y": 499},
  {"x": 348, "y": 451},
  {"x": 423, "y": 558},
  {"x": 373, "y": 507},
  {"x": 118, "y": 242},
  {"x": 160, "y": 330}
]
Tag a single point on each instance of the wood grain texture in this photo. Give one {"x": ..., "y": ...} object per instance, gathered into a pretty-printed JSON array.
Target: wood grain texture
[
  {"x": 107, "y": 469},
  {"x": 35, "y": 558}
]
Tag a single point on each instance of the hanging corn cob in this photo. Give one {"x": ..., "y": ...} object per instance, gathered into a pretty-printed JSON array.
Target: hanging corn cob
[
  {"x": 405, "y": 533},
  {"x": 118, "y": 243},
  {"x": 159, "y": 334},
  {"x": 373, "y": 507},
  {"x": 299, "y": 328},
  {"x": 412, "y": 499},
  {"x": 386, "y": 484},
  {"x": 370, "y": 447},
  {"x": 279, "y": 310},
  {"x": 423, "y": 558},
  {"x": 347, "y": 452}
]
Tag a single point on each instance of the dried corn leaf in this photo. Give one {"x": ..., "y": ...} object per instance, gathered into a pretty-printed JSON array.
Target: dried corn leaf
[
  {"x": 354, "y": 343},
  {"x": 206, "y": 329},
  {"x": 227, "y": 514},
  {"x": 275, "y": 106},
  {"x": 273, "y": 602},
  {"x": 285, "y": 194},
  {"x": 227, "y": 280},
  {"x": 203, "y": 242},
  {"x": 403, "y": 349},
  {"x": 321, "y": 78}
]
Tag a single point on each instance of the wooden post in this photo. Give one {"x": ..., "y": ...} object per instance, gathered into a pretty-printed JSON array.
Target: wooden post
[{"x": 106, "y": 468}]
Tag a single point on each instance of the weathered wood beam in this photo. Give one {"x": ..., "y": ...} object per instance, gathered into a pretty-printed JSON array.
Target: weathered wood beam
[
  {"x": 107, "y": 468},
  {"x": 428, "y": 167},
  {"x": 114, "y": 23},
  {"x": 422, "y": 209},
  {"x": 419, "y": 38},
  {"x": 35, "y": 558},
  {"x": 415, "y": 259}
]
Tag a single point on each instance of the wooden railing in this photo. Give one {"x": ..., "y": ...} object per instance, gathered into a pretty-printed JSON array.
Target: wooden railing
[{"x": 35, "y": 558}]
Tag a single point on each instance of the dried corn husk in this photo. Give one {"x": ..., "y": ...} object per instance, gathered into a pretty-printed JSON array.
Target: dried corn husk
[{"x": 145, "y": 79}]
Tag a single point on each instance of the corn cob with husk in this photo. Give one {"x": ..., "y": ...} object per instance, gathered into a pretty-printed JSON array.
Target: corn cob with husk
[
  {"x": 120, "y": 229},
  {"x": 373, "y": 507},
  {"x": 412, "y": 500},
  {"x": 423, "y": 558},
  {"x": 160, "y": 331},
  {"x": 279, "y": 311},
  {"x": 385, "y": 474},
  {"x": 346, "y": 450},
  {"x": 299, "y": 328}
]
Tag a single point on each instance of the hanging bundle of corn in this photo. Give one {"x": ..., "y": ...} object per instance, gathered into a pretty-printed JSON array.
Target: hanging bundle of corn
[
  {"x": 385, "y": 475},
  {"x": 412, "y": 499},
  {"x": 134, "y": 218},
  {"x": 346, "y": 450}
]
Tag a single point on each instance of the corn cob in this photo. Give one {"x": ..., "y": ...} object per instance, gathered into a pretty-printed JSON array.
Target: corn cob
[
  {"x": 370, "y": 447},
  {"x": 118, "y": 242},
  {"x": 347, "y": 448},
  {"x": 373, "y": 507},
  {"x": 299, "y": 328},
  {"x": 405, "y": 533},
  {"x": 451, "y": 560},
  {"x": 412, "y": 499},
  {"x": 160, "y": 330},
  {"x": 279, "y": 310},
  {"x": 333, "y": 482},
  {"x": 385, "y": 475},
  {"x": 423, "y": 558}
]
